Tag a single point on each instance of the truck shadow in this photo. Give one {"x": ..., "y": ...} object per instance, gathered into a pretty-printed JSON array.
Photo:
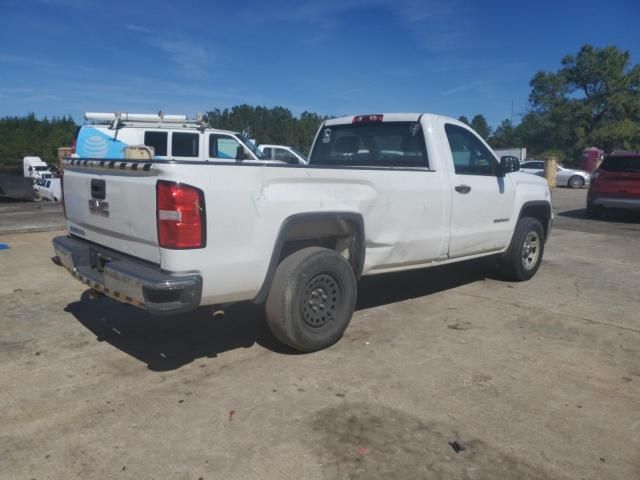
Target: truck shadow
[
  {"x": 168, "y": 343},
  {"x": 611, "y": 216}
]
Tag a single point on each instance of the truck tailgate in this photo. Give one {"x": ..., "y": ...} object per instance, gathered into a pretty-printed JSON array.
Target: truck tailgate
[{"x": 114, "y": 206}]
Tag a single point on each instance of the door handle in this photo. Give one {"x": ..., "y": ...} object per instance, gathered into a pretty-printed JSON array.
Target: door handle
[{"x": 463, "y": 188}]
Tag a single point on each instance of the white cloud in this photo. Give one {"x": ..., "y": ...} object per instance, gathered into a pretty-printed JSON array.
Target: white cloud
[
  {"x": 192, "y": 58},
  {"x": 461, "y": 88},
  {"x": 35, "y": 62},
  {"x": 137, "y": 28}
]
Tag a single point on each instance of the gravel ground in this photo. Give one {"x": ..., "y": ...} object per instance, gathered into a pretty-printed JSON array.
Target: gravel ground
[{"x": 444, "y": 373}]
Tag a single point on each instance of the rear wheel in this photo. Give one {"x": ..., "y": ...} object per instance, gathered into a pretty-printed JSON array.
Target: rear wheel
[
  {"x": 522, "y": 260},
  {"x": 312, "y": 299},
  {"x": 576, "y": 181}
]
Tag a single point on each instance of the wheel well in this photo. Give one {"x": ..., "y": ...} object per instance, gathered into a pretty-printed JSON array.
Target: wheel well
[
  {"x": 334, "y": 233},
  {"x": 540, "y": 211},
  {"x": 342, "y": 232}
]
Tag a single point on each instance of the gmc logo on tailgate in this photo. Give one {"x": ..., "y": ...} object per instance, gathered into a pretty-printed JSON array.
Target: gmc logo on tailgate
[{"x": 99, "y": 207}]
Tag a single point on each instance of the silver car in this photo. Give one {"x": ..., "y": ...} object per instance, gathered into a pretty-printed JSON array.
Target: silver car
[{"x": 565, "y": 177}]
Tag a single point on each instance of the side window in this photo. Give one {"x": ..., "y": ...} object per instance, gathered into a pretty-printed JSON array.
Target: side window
[
  {"x": 157, "y": 140},
  {"x": 185, "y": 144},
  {"x": 284, "y": 156},
  {"x": 470, "y": 156},
  {"x": 267, "y": 152},
  {"x": 223, "y": 146}
]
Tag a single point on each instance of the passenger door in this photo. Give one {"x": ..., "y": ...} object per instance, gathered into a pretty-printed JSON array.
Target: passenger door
[{"x": 482, "y": 203}]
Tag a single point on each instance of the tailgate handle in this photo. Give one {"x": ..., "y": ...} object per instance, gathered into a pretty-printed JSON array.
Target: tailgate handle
[{"x": 98, "y": 189}]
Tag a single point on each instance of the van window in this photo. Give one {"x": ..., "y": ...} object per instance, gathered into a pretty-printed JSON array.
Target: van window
[
  {"x": 157, "y": 140},
  {"x": 224, "y": 146},
  {"x": 185, "y": 144}
]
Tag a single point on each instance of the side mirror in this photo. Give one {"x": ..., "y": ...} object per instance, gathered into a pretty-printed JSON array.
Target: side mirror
[{"x": 508, "y": 164}]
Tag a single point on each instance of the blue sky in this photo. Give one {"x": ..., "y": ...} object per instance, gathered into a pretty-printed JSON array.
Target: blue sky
[{"x": 452, "y": 57}]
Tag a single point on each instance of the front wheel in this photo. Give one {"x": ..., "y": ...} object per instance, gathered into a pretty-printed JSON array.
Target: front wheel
[
  {"x": 312, "y": 299},
  {"x": 576, "y": 181},
  {"x": 522, "y": 260}
]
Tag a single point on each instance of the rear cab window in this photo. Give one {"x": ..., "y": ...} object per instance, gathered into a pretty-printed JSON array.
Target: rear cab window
[{"x": 371, "y": 144}]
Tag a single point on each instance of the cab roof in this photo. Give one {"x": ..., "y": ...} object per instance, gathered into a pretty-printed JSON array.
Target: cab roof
[{"x": 386, "y": 117}]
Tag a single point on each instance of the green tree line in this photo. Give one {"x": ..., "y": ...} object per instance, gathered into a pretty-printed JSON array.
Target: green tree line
[
  {"x": 28, "y": 135},
  {"x": 593, "y": 99}
]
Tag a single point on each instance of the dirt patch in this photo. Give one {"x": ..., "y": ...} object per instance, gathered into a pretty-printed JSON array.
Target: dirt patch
[{"x": 361, "y": 440}]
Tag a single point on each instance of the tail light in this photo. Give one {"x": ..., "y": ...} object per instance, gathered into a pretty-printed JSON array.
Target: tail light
[{"x": 180, "y": 215}]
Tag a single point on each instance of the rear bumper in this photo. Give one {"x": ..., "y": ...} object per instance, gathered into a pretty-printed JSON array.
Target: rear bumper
[
  {"x": 616, "y": 202},
  {"x": 127, "y": 280}
]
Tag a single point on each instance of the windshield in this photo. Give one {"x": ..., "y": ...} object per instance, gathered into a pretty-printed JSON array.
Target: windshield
[
  {"x": 251, "y": 146},
  {"x": 379, "y": 144},
  {"x": 41, "y": 169}
]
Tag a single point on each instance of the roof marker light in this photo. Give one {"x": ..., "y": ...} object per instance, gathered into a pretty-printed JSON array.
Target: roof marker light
[{"x": 367, "y": 118}]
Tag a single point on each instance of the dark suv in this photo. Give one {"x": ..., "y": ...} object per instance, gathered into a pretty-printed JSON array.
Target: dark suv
[{"x": 615, "y": 184}]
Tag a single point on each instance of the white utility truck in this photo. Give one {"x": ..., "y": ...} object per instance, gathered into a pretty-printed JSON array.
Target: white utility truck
[
  {"x": 36, "y": 169},
  {"x": 380, "y": 193}
]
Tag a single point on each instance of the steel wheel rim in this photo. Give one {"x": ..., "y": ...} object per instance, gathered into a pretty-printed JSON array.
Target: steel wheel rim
[
  {"x": 530, "y": 250},
  {"x": 320, "y": 300}
]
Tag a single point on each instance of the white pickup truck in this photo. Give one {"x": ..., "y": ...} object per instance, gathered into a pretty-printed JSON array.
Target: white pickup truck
[{"x": 381, "y": 193}]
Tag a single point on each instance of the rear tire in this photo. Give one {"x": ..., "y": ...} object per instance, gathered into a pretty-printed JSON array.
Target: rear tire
[
  {"x": 522, "y": 260},
  {"x": 576, "y": 181},
  {"x": 312, "y": 299}
]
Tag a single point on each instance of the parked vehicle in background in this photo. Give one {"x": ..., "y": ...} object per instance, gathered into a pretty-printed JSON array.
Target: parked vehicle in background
[
  {"x": 124, "y": 136},
  {"x": 519, "y": 152},
  {"x": 283, "y": 153},
  {"x": 35, "y": 168},
  {"x": 48, "y": 189},
  {"x": 381, "y": 193},
  {"x": 565, "y": 177},
  {"x": 615, "y": 184}
]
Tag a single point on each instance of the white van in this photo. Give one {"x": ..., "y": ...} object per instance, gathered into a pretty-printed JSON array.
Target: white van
[
  {"x": 36, "y": 169},
  {"x": 48, "y": 189},
  {"x": 164, "y": 137}
]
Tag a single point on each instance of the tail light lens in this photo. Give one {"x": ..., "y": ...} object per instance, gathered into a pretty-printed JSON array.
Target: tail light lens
[{"x": 180, "y": 215}]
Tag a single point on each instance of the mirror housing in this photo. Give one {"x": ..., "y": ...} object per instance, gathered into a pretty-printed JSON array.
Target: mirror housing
[{"x": 508, "y": 164}]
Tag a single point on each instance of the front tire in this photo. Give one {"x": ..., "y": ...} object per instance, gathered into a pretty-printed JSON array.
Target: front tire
[
  {"x": 522, "y": 260},
  {"x": 312, "y": 299}
]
